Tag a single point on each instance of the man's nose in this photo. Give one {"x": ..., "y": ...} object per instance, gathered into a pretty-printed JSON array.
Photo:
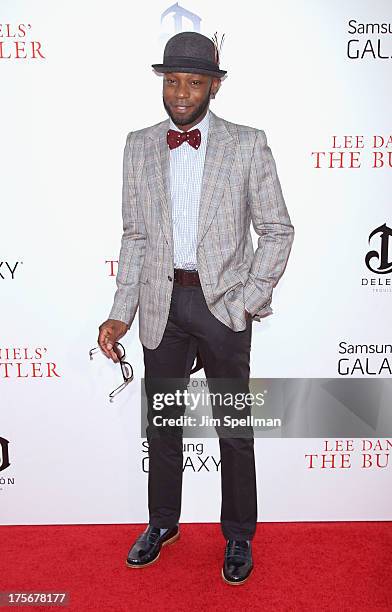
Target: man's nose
[{"x": 182, "y": 91}]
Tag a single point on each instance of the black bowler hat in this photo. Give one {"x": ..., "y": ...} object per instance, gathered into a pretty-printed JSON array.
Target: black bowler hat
[{"x": 191, "y": 52}]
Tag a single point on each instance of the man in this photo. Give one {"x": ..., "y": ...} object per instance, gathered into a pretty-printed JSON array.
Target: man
[{"x": 192, "y": 185}]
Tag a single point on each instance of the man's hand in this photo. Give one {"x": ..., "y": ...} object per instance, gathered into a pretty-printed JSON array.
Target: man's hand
[
  {"x": 248, "y": 315},
  {"x": 110, "y": 332}
]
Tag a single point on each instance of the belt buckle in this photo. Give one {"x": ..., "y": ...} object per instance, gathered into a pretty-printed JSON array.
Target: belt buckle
[
  {"x": 186, "y": 278},
  {"x": 195, "y": 278},
  {"x": 189, "y": 277}
]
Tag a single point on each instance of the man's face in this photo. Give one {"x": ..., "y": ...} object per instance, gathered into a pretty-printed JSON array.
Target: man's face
[{"x": 186, "y": 96}]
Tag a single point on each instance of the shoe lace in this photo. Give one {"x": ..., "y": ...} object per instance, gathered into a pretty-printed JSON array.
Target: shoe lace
[
  {"x": 237, "y": 550},
  {"x": 153, "y": 536}
]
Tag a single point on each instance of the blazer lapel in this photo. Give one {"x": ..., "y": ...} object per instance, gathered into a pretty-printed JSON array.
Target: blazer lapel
[
  {"x": 158, "y": 175},
  {"x": 218, "y": 161}
]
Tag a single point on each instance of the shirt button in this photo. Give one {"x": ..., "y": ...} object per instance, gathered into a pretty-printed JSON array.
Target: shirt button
[{"x": 170, "y": 278}]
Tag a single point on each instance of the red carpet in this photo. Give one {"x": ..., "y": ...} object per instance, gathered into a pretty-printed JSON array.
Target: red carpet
[{"x": 315, "y": 567}]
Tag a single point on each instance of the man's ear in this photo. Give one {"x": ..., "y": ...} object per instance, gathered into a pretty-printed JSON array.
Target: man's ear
[{"x": 216, "y": 83}]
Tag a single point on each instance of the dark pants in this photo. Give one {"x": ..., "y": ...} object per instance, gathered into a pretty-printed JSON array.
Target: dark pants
[{"x": 225, "y": 354}]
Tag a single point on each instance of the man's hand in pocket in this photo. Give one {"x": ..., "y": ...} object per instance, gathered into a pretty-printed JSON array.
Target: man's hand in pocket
[{"x": 248, "y": 315}]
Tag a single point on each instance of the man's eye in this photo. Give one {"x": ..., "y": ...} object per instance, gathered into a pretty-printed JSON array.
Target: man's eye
[{"x": 196, "y": 82}]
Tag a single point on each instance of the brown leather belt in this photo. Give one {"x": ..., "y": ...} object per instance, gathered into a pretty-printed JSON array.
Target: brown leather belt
[{"x": 187, "y": 278}]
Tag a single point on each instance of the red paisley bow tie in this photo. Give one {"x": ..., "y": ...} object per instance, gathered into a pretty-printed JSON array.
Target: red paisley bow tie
[{"x": 175, "y": 139}]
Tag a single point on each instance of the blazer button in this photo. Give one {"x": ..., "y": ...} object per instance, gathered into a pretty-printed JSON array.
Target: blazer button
[{"x": 170, "y": 278}]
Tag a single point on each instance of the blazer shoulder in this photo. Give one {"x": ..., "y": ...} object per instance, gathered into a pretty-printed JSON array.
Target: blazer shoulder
[
  {"x": 150, "y": 130},
  {"x": 245, "y": 135}
]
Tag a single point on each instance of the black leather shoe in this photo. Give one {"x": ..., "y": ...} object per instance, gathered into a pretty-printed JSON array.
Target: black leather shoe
[
  {"x": 147, "y": 547},
  {"x": 238, "y": 562}
]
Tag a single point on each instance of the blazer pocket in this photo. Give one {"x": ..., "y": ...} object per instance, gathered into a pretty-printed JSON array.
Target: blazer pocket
[
  {"x": 242, "y": 275},
  {"x": 232, "y": 279},
  {"x": 236, "y": 181}
]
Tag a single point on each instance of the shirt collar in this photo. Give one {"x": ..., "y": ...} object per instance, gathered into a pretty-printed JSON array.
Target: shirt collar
[{"x": 202, "y": 125}]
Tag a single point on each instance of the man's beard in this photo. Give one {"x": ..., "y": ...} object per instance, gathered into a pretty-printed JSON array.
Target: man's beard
[{"x": 199, "y": 110}]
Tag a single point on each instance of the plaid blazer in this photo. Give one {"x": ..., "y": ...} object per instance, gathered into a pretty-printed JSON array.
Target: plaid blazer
[{"x": 240, "y": 185}]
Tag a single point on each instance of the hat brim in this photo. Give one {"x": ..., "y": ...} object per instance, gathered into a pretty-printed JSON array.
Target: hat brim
[{"x": 162, "y": 68}]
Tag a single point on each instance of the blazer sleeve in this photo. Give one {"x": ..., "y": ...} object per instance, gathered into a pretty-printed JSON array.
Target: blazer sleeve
[
  {"x": 133, "y": 245},
  {"x": 271, "y": 221}
]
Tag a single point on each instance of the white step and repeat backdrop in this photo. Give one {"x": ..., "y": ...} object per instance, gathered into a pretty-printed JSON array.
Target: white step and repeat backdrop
[{"x": 75, "y": 78}]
